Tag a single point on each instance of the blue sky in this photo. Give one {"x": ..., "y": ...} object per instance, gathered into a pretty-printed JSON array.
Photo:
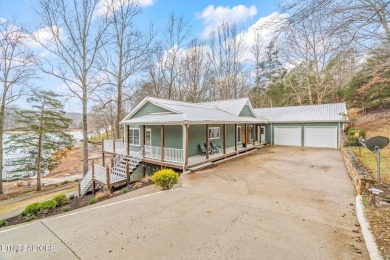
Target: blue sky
[{"x": 202, "y": 15}]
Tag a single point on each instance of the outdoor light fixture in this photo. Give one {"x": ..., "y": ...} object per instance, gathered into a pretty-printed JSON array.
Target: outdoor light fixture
[{"x": 375, "y": 144}]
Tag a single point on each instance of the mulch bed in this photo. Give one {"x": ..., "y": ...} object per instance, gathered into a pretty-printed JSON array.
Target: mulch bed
[{"x": 79, "y": 202}]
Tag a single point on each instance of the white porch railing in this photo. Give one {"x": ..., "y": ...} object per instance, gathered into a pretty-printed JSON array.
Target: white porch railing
[
  {"x": 173, "y": 155},
  {"x": 121, "y": 154},
  {"x": 113, "y": 146},
  {"x": 153, "y": 152},
  {"x": 100, "y": 173}
]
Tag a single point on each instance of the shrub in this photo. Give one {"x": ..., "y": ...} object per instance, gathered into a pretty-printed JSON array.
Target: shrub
[
  {"x": 71, "y": 196},
  {"x": 65, "y": 208},
  {"x": 165, "y": 178},
  {"x": 19, "y": 183},
  {"x": 92, "y": 201},
  {"x": 124, "y": 190},
  {"x": 31, "y": 209},
  {"x": 50, "y": 204},
  {"x": 38, "y": 207},
  {"x": 3, "y": 223},
  {"x": 352, "y": 140},
  {"x": 29, "y": 218},
  {"x": 65, "y": 182},
  {"x": 61, "y": 199}
]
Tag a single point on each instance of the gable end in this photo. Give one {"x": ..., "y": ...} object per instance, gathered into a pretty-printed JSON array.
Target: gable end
[
  {"x": 148, "y": 109},
  {"x": 246, "y": 111}
]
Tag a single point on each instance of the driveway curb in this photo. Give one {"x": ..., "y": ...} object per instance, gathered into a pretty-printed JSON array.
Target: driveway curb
[{"x": 365, "y": 227}]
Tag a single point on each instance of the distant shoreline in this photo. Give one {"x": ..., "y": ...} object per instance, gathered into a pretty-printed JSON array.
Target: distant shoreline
[{"x": 24, "y": 132}]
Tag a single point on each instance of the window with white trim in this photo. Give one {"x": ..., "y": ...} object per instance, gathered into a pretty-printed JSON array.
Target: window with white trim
[
  {"x": 134, "y": 136},
  {"x": 239, "y": 134},
  {"x": 214, "y": 132}
]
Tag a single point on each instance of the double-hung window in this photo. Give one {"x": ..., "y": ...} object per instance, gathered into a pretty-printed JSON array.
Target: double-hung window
[
  {"x": 214, "y": 132},
  {"x": 134, "y": 136}
]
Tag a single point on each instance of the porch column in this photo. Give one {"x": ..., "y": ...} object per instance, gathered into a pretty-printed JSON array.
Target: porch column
[
  {"x": 246, "y": 136},
  {"x": 162, "y": 142},
  {"x": 260, "y": 134},
  {"x": 143, "y": 141},
  {"x": 128, "y": 139},
  {"x": 207, "y": 142},
  {"x": 186, "y": 145},
  {"x": 224, "y": 138},
  {"x": 235, "y": 137},
  {"x": 254, "y": 134}
]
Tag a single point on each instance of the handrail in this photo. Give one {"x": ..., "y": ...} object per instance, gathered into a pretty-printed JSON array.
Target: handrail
[
  {"x": 85, "y": 180},
  {"x": 120, "y": 155}
]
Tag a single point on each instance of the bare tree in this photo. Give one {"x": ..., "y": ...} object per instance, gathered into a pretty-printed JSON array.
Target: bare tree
[
  {"x": 125, "y": 53},
  {"x": 175, "y": 37},
  {"x": 75, "y": 32},
  {"x": 227, "y": 46},
  {"x": 16, "y": 69},
  {"x": 361, "y": 20},
  {"x": 196, "y": 71},
  {"x": 310, "y": 43}
]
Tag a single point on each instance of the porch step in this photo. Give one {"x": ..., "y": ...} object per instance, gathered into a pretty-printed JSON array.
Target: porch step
[{"x": 200, "y": 167}]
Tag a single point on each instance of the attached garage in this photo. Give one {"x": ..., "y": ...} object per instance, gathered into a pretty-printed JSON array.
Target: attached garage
[
  {"x": 290, "y": 136},
  {"x": 320, "y": 136},
  {"x": 305, "y": 126}
]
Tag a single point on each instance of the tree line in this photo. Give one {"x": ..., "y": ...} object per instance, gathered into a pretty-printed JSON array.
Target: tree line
[{"x": 318, "y": 52}]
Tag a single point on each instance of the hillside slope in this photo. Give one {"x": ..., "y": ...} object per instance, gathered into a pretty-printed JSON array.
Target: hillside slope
[{"x": 376, "y": 123}]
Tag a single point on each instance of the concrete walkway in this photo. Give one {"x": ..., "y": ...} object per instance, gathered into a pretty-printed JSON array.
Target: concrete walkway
[{"x": 277, "y": 203}]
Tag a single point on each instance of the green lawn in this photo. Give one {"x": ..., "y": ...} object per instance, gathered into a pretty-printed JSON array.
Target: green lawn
[{"x": 368, "y": 159}]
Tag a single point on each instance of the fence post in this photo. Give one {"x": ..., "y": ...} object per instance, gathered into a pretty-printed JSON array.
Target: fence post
[
  {"x": 93, "y": 178},
  {"x": 79, "y": 190},
  {"x": 108, "y": 179},
  {"x": 127, "y": 173},
  {"x": 104, "y": 163}
]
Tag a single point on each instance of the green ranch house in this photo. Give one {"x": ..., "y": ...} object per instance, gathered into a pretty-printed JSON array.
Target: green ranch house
[{"x": 189, "y": 136}]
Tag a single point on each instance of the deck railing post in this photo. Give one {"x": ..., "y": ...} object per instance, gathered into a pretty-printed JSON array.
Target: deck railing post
[
  {"x": 112, "y": 163},
  {"x": 113, "y": 146},
  {"x": 108, "y": 179},
  {"x": 103, "y": 157},
  {"x": 162, "y": 140},
  {"x": 127, "y": 173},
  {"x": 93, "y": 178}
]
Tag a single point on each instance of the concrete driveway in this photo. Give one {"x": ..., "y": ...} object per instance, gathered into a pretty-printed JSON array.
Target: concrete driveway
[{"x": 276, "y": 203}]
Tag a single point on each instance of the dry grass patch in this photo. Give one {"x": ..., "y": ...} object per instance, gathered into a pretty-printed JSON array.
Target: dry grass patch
[{"x": 380, "y": 223}]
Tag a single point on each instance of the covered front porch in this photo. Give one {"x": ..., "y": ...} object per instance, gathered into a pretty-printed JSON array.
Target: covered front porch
[{"x": 185, "y": 146}]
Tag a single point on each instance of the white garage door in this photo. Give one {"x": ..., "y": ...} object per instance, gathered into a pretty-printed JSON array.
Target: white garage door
[
  {"x": 321, "y": 137},
  {"x": 287, "y": 136}
]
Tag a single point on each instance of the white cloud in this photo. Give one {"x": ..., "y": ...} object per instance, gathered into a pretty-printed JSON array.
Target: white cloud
[
  {"x": 2, "y": 20},
  {"x": 101, "y": 7},
  {"x": 214, "y": 16}
]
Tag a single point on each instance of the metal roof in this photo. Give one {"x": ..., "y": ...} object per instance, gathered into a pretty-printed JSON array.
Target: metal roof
[
  {"x": 225, "y": 111},
  {"x": 310, "y": 113}
]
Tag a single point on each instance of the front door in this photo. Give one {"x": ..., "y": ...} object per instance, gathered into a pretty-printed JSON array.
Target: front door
[
  {"x": 262, "y": 133},
  {"x": 148, "y": 141}
]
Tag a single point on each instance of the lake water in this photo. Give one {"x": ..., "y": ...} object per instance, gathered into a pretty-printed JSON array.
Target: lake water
[{"x": 77, "y": 135}]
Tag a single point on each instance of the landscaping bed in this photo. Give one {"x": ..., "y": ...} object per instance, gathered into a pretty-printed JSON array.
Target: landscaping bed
[{"x": 75, "y": 203}]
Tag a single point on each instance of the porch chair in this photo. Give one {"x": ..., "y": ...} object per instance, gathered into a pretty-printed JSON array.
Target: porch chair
[
  {"x": 202, "y": 149},
  {"x": 215, "y": 148}
]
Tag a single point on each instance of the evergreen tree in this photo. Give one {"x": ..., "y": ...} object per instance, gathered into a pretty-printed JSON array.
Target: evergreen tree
[{"x": 45, "y": 139}]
